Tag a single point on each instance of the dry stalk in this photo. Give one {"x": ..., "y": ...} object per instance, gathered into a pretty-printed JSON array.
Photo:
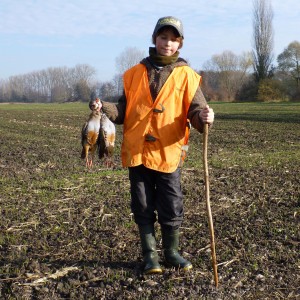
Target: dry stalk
[
  {"x": 22, "y": 225},
  {"x": 59, "y": 273}
]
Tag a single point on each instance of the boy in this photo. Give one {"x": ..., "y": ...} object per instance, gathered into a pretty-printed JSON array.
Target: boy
[{"x": 161, "y": 94}]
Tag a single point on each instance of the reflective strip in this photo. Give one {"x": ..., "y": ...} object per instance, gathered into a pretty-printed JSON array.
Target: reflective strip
[
  {"x": 156, "y": 110},
  {"x": 150, "y": 138}
]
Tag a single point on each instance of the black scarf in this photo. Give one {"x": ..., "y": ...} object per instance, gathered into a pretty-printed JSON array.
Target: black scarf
[{"x": 161, "y": 60}]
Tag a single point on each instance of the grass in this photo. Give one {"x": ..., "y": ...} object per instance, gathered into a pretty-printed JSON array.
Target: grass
[{"x": 250, "y": 134}]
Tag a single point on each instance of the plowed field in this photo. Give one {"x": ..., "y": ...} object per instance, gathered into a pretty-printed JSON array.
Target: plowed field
[{"x": 67, "y": 232}]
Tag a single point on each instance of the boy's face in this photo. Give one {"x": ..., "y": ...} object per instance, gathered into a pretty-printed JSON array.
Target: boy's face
[{"x": 167, "y": 42}]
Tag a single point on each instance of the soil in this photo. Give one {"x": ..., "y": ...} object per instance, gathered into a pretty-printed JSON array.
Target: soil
[{"x": 68, "y": 233}]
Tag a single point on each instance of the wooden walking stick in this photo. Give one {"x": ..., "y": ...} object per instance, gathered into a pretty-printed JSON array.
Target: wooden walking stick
[{"x": 207, "y": 196}]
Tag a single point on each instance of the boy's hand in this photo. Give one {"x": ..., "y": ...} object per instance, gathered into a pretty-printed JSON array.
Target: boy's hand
[{"x": 207, "y": 115}]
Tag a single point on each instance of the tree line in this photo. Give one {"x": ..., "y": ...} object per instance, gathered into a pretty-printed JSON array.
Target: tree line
[
  {"x": 50, "y": 85},
  {"x": 63, "y": 84},
  {"x": 251, "y": 76},
  {"x": 231, "y": 77}
]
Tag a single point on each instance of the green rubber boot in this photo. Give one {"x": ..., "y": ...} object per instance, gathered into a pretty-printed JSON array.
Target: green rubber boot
[
  {"x": 170, "y": 239},
  {"x": 148, "y": 242}
]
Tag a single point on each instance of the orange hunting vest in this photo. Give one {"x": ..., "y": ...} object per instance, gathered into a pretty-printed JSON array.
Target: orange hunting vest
[{"x": 155, "y": 133}]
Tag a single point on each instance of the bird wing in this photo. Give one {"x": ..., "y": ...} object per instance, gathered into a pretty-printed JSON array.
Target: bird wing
[
  {"x": 89, "y": 133},
  {"x": 109, "y": 130},
  {"x": 101, "y": 144},
  {"x": 106, "y": 136},
  {"x": 84, "y": 132}
]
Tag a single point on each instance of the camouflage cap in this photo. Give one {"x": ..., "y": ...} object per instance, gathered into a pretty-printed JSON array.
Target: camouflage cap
[{"x": 169, "y": 21}]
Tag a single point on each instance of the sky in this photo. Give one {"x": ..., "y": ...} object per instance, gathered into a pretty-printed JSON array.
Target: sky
[{"x": 38, "y": 34}]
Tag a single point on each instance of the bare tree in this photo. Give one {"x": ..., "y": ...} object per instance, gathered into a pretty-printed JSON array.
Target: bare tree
[
  {"x": 262, "y": 38},
  {"x": 118, "y": 83},
  {"x": 3, "y": 90},
  {"x": 82, "y": 91},
  {"x": 128, "y": 58},
  {"x": 84, "y": 72},
  {"x": 57, "y": 85},
  {"x": 227, "y": 73},
  {"x": 107, "y": 90}
]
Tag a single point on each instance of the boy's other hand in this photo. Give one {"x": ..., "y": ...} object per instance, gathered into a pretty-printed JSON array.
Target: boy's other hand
[{"x": 207, "y": 115}]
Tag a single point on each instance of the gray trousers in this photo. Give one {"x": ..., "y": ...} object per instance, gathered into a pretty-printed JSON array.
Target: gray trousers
[{"x": 156, "y": 192}]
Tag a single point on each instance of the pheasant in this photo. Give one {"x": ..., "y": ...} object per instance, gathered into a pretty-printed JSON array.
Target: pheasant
[
  {"x": 90, "y": 133},
  {"x": 106, "y": 140}
]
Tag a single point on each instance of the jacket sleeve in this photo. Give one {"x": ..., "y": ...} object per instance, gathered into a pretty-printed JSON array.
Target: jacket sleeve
[
  {"x": 195, "y": 108},
  {"x": 115, "y": 112}
]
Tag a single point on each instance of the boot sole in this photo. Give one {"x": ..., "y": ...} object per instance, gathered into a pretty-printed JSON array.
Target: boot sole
[
  {"x": 153, "y": 271},
  {"x": 185, "y": 269}
]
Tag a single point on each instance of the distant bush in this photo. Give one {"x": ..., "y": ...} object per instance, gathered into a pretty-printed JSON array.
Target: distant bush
[{"x": 271, "y": 90}]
